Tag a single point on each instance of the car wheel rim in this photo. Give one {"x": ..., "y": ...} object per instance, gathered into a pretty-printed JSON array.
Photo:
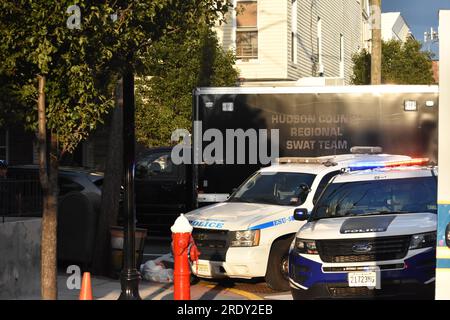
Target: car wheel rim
[{"x": 284, "y": 267}]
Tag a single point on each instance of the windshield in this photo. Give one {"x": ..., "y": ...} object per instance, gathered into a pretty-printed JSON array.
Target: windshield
[
  {"x": 377, "y": 197},
  {"x": 281, "y": 188}
]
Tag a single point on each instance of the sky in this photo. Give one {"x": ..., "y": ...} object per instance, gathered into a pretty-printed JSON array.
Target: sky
[{"x": 420, "y": 15}]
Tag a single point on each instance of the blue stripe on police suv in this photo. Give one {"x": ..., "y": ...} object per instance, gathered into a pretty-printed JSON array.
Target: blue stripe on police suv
[{"x": 272, "y": 223}]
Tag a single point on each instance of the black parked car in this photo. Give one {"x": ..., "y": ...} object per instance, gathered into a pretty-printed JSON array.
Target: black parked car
[
  {"x": 70, "y": 179},
  {"x": 79, "y": 201},
  {"x": 162, "y": 190}
]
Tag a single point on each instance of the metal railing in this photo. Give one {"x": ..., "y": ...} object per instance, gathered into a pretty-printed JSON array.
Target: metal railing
[{"x": 20, "y": 198}]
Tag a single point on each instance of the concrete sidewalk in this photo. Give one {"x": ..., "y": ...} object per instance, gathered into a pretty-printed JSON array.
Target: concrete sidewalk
[{"x": 109, "y": 289}]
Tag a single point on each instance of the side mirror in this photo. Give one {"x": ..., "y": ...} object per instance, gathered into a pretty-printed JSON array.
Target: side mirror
[
  {"x": 447, "y": 235},
  {"x": 301, "y": 214}
]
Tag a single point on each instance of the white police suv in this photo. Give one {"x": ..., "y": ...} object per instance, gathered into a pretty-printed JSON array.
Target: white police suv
[
  {"x": 249, "y": 235},
  {"x": 371, "y": 233}
]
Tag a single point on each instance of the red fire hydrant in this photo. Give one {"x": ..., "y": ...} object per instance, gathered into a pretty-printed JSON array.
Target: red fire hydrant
[{"x": 182, "y": 245}]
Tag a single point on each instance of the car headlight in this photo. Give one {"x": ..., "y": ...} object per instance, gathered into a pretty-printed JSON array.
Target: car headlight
[
  {"x": 306, "y": 246},
  {"x": 247, "y": 238},
  {"x": 423, "y": 240}
]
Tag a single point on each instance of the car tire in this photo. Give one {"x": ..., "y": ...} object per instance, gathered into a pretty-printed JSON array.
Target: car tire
[
  {"x": 298, "y": 294},
  {"x": 194, "y": 279},
  {"x": 429, "y": 291},
  {"x": 275, "y": 278}
]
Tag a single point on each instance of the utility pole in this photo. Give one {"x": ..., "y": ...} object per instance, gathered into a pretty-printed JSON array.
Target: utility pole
[{"x": 375, "y": 8}]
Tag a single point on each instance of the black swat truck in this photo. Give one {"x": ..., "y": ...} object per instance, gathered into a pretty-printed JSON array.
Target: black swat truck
[{"x": 268, "y": 122}]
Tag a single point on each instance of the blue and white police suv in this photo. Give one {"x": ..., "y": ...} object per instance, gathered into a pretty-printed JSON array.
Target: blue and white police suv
[
  {"x": 249, "y": 235},
  {"x": 371, "y": 233}
]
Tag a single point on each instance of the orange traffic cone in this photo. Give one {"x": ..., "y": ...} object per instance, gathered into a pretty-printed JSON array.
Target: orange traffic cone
[{"x": 86, "y": 288}]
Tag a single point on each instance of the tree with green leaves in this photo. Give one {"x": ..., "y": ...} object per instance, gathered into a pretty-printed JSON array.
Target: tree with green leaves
[
  {"x": 60, "y": 61},
  {"x": 46, "y": 62},
  {"x": 402, "y": 63},
  {"x": 174, "y": 66}
]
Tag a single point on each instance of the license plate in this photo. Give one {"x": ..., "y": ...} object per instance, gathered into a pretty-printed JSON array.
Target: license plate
[
  {"x": 203, "y": 268},
  {"x": 362, "y": 279}
]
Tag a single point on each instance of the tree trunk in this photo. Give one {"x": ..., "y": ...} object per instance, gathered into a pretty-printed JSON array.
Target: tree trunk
[
  {"x": 110, "y": 192},
  {"x": 49, "y": 180}
]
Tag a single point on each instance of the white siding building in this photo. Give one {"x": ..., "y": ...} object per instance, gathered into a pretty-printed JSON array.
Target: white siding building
[
  {"x": 394, "y": 27},
  {"x": 285, "y": 40}
]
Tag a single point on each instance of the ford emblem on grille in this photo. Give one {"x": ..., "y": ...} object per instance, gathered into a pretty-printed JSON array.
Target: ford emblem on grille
[{"x": 362, "y": 248}]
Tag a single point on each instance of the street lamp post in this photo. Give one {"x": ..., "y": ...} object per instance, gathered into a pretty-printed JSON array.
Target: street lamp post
[{"x": 130, "y": 276}]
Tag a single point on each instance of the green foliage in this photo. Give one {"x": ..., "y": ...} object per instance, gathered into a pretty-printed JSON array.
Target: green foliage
[
  {"x": 178, "y": 63},
  {"x": 402, "y": 63},
  {"x": 361, "y": 68},
  {"x": 81, "y": 65},
  {"x": 36, "y": 41}
]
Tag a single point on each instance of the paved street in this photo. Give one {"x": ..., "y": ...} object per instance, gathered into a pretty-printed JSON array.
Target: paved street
[{"x": 107, "y": 289}]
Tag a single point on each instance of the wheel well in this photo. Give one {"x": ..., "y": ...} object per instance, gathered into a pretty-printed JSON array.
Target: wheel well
[{"x": 284, "y": 237}]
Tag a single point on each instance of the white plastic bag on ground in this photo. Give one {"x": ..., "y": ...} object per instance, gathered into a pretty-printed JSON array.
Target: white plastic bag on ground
[{"x": 156, "y": 270}]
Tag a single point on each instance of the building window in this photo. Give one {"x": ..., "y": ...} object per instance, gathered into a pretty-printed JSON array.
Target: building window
[
  {"x": 4, "y": 145},
  {"x": 247, "y": 30},
  {"x": 365, "y": 8},
  {"x": 366, "y": 33},
  {"x": 294, "y": 32},
  {"x": 319, "y": 44}
]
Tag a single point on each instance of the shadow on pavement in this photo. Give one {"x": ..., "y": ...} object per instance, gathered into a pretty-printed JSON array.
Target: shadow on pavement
[{"x": 158, "y": 292}]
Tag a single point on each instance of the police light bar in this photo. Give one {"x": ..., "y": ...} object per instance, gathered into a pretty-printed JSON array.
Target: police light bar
[
  {"x": 366, "y": 150},
  {"x": 389, "y": 164},
  {"x": 303, "y": 160}
]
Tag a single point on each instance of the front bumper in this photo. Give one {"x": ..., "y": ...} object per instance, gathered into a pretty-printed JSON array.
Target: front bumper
[
  {"x": 403, "y": 290},
  {"x": 245, "y": 263},
  {"x": 314, "y": 279}
]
